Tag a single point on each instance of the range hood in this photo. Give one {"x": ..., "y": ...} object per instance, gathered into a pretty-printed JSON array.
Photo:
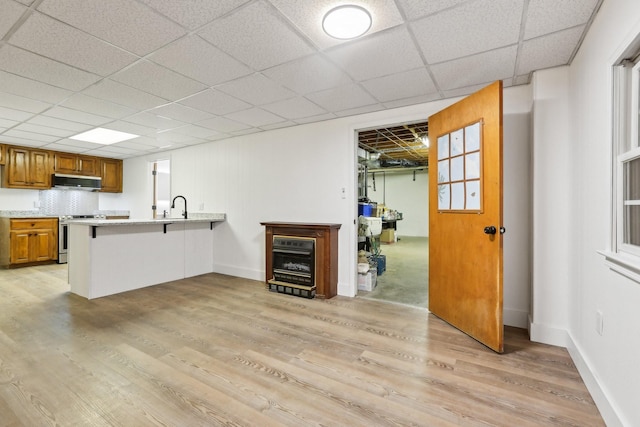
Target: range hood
[{"x": 78, "y": 182}]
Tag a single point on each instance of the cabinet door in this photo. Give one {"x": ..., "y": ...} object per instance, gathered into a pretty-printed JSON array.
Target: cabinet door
[
  {"x": 40, "y": 169},
  {"x": 3, "y": 154},
  {"x": 65, "y": 163},
  {"x": 41, "y": 245},
  {"x": 17, "y": 167},
  {"x": 111, "y": 173},
  {"x": 88, "y": 165},
  {"x": 19, "y": 246}
]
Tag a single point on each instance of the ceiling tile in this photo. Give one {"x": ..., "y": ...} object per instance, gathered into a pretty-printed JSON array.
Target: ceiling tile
[
  {"x": 23, "y": 104},
  {"x": 27, "y": 2},
  {"x": 32, "y": 89},
  {"x": 29, "y": 135},
  {"x": 342, "y": 98},
  {"x": 320, "y": 118},
  {"x": 548, "y": 16},
  {"x": 4, "y": 123},
  {"x": 414, "y": 9},
  {"x": 195, "y": 58},
  {"x": 278, "y": 125},
  {"x": 59, "y": 124},
  {"x": 401, "y": 85},
  {"x": 360, "y": 110},
  {"x": 154, "y": 121},
  {"x": 414, "y": 100},
  {"x": 256, "y": 89},
  {"x": 11, "y": 114},
  {"x": 196, "y": 131},
  {"x": 127, "y": 24},
  {"x": 490, "y": 66},
  {"x": 308, "y": 19},
  {"x": 124, "y": 95},
  {"x": 97, "y": 106},
  {"x": 67, "y": 148},
  {"x": 181, "y": 113},
  {"x": 361, "y": 59},
  {"x": 215, "y": 102},
  {"x": 480, "y": 26},
  {"x": 47, "y": 37},
  {"x": 221, "y": 124},
  {"x": 256, "y": 36},
  {"x": 135, "y": 145},
  {"x": 158, "y": 80},
  {"x": 548, "y": 51},
  {"x": 294, "y": 108},
  {"x": 463, "y": 91},
  {"x": 255, "y": 117},
  {"x": 11, "y": 12},
  {"x": 46, "y": 130},
  {"x": 27, "y": 64},
  {"x": 172, "y": 137},
  {"x": 128, "y": 127},
  {"x": 193, "y": 14},
  {"x": 309, "y": 74},
  {"x": 77, "y": 116},
  {"x": 21, "y": 141}
]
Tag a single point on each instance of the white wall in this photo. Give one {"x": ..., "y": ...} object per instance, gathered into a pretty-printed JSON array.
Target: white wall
[
  {"x": 572, "y": 194},
  {"x": 403, "y": 194}
]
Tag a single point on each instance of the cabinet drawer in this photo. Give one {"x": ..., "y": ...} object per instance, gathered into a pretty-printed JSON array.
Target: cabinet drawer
[{"x": 32, "y": 224}]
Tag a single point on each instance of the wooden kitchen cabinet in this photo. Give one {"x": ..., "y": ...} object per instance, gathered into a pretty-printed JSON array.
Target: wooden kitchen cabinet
[
  {"x": 111, "y": 174},
  {"x": 28, "y": 241},
  {"x": 75, "y": 164},
  {"x": 3, "y": 154},
  {"x": 27, "y": 168}
]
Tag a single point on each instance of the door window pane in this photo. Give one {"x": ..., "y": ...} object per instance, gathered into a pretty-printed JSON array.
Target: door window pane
[{"x": 459, "y": 170}]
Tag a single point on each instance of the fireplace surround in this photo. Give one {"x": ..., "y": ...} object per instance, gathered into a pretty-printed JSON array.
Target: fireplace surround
[{"x": 310, "y": 252}]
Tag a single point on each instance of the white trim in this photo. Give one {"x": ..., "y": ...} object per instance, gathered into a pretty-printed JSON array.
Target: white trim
[
  {"x": 598, "y": 393},
  {"x": 624, "y": 264}
]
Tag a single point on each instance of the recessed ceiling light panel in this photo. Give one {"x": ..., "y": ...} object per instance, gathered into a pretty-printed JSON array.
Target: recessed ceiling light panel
[
  {"x": 346, "y": 22},
  {"x": 103, "y": 136}
]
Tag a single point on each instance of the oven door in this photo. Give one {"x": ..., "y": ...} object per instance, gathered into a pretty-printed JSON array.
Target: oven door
[{"x": 63, "y": 241}]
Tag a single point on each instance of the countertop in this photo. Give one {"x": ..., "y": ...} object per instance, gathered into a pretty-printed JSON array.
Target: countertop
[{"x": 219, "y": 217}]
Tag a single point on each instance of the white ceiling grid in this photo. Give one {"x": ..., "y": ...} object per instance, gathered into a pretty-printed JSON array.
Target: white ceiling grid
[{"x": 180, "y": 73}]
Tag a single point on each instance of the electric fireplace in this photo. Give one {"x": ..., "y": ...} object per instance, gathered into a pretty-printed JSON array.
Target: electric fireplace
[{"x": 294, "y": 265}]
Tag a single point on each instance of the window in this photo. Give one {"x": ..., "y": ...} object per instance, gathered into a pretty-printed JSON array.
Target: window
[{"x": 624, "y": 256}]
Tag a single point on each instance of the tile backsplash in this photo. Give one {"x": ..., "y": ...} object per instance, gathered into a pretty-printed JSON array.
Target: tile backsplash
[{"x": 68, "y": 202}]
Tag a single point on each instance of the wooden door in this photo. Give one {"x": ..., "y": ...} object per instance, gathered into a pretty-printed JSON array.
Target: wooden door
[
  {"x": 111, "y": 173},
  {"x": 65, "y": 163},
  {"x": 19, "y": 246},
  {"x": 87, "y": 165},
  {"x": 465, "y": 216},
  {"x": 18, "y": 167}
]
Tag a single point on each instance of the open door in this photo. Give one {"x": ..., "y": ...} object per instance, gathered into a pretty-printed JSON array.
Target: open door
[{"x": 465, "y": 216}]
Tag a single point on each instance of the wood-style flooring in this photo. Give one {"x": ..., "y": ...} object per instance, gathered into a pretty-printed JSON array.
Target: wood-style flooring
[{"x": 218, "y": 350}]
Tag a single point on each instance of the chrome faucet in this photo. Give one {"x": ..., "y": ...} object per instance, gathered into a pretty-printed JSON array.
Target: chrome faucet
[{"x": 173, "y": 205}]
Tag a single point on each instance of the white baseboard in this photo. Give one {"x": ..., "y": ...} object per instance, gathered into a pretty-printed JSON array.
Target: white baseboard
[
  {"x": 515, "y": 318},
  {"x": 245, "y": 273},
  {"x": 599, "y": 395},
  {"x": 560, "y": 337}
]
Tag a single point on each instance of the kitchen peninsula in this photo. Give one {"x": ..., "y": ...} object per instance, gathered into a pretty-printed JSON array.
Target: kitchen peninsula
[{"x": 107, "y": 257}]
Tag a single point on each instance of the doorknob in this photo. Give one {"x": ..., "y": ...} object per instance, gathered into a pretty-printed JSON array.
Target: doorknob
[{"x": 490, "y": 230}]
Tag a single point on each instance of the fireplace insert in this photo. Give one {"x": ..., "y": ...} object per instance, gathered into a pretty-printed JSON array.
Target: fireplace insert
[{"x": 294, "y": 265}]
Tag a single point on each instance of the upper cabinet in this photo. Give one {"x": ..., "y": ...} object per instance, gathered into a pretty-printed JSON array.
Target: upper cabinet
[
  {"x": 32, "y": 168},
  {"x": 27, "y": 168},
  {"x": 75, "y": 164},
  {"x": 111, "y": 174}
]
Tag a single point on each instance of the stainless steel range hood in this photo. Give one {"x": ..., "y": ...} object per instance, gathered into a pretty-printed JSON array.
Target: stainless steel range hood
[{"x": 77, "y": 182}]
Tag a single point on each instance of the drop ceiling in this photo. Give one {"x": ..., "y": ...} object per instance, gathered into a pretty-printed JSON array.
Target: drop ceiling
[{"x": 180, "y": 73}]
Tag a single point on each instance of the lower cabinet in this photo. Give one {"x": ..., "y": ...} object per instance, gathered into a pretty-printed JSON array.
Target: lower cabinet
[{"x": 29, "y": 240}]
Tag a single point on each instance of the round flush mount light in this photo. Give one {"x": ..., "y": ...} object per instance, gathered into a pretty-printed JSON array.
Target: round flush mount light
[{"x": 346, "y": 22}]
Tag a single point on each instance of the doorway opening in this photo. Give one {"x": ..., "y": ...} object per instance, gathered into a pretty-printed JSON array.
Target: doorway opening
[
  {"x": 393, "y": 213},
  {"x": 161, "y": 173}
]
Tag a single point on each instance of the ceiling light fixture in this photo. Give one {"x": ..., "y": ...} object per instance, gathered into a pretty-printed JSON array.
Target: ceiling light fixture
[
  {"x": 103, "y": 136},
  {"x": 425, "y": 140},
  {"x": 346, "y": 22}
]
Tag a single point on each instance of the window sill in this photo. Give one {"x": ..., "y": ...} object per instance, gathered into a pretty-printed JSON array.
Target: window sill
[{"x": 626, "y": 265}]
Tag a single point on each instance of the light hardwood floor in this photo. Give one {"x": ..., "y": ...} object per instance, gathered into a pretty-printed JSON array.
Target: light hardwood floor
[{"x": 217, "y": 350}]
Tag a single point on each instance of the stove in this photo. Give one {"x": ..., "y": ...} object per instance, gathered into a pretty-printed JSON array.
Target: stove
[{"x": 63, "y": 233}]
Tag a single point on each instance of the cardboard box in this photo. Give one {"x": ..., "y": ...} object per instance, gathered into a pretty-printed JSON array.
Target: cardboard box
[{"x": 388, "y": 235}]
